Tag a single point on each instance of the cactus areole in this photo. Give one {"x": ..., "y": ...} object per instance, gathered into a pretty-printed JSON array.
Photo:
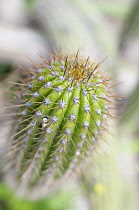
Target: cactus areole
[{"x": 60, "y": 117}]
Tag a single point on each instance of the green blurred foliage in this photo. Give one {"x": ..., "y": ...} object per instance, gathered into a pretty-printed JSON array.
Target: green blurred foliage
[
  {"x": 131, "y": 26},
  {"x": 9, "y": 201},
  {"x": 5, "y": 68},
  {"x": 30, "y": 4},
  {"x": 116, "y": 10},
  {"x": 129, "y": 34}
]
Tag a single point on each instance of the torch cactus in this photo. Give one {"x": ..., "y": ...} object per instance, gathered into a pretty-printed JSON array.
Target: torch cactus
[{"x": 60, "y": 117}]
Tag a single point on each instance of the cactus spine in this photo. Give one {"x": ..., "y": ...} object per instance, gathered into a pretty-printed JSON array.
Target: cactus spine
[{"x": 60, "y": 116}]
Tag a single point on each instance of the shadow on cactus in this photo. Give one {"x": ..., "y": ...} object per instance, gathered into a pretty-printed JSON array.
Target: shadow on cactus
[{"x": 60, "y": 117}]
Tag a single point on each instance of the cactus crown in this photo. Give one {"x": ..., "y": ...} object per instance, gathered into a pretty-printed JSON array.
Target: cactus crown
[{"x": 61, "y": 113}]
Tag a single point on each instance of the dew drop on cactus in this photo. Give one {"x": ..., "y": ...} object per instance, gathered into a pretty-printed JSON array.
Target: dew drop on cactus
[{"x": 60, "y": 117}]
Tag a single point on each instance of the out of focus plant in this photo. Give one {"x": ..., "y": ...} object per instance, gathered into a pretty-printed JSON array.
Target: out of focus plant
[
  {"x": 130, "y": 28},
  {"x": 5, "y": 68},
  {"x": 9, "y": 201}
]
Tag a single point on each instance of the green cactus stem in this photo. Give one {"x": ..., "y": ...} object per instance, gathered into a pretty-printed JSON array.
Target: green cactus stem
[{"x": 60, "y": 117}]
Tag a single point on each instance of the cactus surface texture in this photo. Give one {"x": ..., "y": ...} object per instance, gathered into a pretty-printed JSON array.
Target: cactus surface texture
[{"x": 60, "y": 116}]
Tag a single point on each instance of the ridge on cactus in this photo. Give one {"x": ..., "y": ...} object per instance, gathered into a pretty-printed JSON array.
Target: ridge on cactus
[{"x": 60, "y": 116}]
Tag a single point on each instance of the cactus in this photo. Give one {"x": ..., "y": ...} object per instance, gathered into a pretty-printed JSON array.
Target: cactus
[{"x": 60, "y": 117}]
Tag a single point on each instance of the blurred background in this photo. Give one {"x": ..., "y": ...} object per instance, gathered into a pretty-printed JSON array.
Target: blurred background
[{"x": 101, "y": 28}]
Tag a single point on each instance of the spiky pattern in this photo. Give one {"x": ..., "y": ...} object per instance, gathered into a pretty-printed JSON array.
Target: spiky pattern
[{"x": 59, "y": 119}]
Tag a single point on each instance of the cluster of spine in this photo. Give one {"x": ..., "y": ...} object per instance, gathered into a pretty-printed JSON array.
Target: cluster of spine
[{"x": 60, "y": 116}]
